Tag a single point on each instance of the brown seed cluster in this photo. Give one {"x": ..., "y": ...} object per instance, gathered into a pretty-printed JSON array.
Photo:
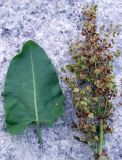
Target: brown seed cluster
[{"x": 94, "y": 86}]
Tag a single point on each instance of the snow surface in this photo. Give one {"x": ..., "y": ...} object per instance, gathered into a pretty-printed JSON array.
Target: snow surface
[{"x": 52, "y": 24}]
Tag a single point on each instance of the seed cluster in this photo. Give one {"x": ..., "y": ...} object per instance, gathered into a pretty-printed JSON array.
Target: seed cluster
[{"x": 93, "y": 88}]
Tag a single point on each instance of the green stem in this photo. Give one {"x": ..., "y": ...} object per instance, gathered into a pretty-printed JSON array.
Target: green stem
[
  {"x": 39, "y": 133},
  {"x": 100, "y": 145}
]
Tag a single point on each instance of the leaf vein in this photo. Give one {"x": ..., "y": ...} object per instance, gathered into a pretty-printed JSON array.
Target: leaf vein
[{"x": 34, "y": 89}]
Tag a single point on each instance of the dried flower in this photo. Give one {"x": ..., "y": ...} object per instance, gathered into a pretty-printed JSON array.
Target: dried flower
[{"x": 94, "y": 87}]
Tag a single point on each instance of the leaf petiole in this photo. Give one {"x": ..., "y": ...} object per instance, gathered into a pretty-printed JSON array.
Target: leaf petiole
[{"x": 39, "y": 133}]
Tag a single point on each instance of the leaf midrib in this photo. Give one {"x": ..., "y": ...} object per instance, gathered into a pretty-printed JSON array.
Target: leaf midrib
[{"x": 34, "y": 88}]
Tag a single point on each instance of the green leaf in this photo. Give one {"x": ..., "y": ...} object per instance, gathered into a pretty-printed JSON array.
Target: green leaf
[
  {"x": 81, "y": 139},
  {"x": 32, "y": 93}
]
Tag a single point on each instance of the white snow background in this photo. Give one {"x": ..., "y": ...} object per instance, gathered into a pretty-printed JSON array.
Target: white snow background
[{"x": 52, "y": 24}]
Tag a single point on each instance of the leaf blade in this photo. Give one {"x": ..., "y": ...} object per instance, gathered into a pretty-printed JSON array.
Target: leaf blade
[{"x": 31, "y": 93}]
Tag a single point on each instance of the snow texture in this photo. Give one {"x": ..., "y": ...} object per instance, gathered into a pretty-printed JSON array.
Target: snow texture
[{"x": 52, "y": 24}]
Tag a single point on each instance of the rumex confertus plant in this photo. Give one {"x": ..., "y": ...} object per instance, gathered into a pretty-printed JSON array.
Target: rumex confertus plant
[{"x": 92, "y": 82}]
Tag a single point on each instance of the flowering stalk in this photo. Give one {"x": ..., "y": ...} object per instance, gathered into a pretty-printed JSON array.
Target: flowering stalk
[{"x": 92, "y": 81}]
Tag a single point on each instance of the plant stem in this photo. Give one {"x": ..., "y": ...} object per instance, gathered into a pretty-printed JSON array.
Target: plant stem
[
  {"x": 39, "y": 133},
  {"x": 100, "y": 145}
]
